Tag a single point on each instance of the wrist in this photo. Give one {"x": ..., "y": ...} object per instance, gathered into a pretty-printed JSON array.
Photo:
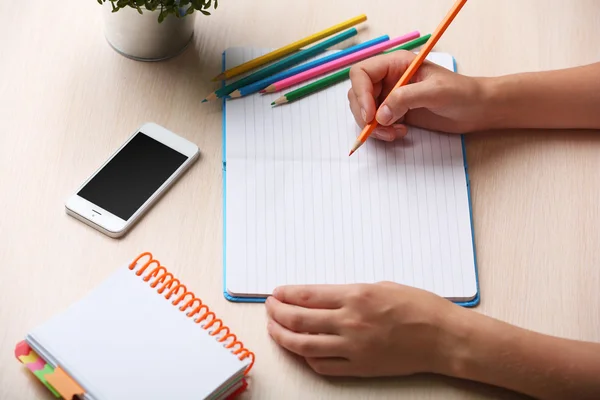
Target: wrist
[
  {"x": 468, "y": 340},
  {"x": 495, "y": 98},
  {"x": 453, "y": 351}
]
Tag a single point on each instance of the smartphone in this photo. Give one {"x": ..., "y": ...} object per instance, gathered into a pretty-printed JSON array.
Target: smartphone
[{"x": 114, "y": 197}]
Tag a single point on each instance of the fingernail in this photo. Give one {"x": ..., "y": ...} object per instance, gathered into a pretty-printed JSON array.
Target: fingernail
[
  {"x": 364, "y": 114},
  {"x": 275, "y": 292},
  {"x": 384, "y": 115},
  {"x": 400, "y": 129},
  {"x": 383, "y": 134}
]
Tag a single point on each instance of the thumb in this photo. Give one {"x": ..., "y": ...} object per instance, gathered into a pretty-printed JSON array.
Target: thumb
[{"x": 403, "y": 99}]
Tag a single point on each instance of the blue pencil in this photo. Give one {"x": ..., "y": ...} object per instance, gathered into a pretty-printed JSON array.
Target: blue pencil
[
  {"x": 260, "y": 85},
  {"x": 282, "y": 65}
]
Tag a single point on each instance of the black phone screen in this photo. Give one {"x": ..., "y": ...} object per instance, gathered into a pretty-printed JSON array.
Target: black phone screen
[{"x": 128, "y": 180}]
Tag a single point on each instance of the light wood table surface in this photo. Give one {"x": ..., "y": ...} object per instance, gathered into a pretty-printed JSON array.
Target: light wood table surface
[{"x": 67, "y": 101}]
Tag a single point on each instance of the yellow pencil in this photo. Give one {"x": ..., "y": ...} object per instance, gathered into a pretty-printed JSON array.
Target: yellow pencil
[{"x": 290, "y": 48}]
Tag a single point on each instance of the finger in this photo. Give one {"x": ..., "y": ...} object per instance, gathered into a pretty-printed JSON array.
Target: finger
[
  {"x": 312, "y": 296},
  {"x": 356, "y": 109},
  {"x": 331, "y": 366},
  {"x": 403, "y": 99},
  {"x": 306, "y": 345},
  {"x": 371, "y": 76},
  {"x": 366, "y": 89},
  {"x": 300, "y": 319},
  {"x": 390, "y": 133}
]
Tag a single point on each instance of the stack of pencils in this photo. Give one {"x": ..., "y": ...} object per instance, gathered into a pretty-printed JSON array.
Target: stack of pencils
[{"x": 290, "y": 65}]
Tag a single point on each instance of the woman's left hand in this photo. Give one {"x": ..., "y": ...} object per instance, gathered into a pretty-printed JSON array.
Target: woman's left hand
[{"x": 382, "y": 329}]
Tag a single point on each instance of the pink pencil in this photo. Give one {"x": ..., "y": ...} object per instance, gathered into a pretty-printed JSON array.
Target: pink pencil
[{"x": 339, "y": 63}]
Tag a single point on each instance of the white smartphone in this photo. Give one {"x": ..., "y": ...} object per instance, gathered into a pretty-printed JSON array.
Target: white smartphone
[{"x": 114, "y": 197}]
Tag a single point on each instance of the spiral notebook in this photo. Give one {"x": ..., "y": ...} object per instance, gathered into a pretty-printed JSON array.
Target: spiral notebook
[
  {"x": 141, "y": 334},
  {"x": 298, "y": 210}
]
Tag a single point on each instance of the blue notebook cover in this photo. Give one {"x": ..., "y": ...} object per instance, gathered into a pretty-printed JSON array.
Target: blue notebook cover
[{"x": 229, "y": 297}]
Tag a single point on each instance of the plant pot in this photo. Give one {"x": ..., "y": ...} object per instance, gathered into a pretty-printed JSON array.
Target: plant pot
[{"x": 141, "y": 37}]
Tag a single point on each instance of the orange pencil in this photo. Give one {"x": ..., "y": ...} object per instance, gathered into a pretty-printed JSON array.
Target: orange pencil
[{"x": 412, "y": 68}]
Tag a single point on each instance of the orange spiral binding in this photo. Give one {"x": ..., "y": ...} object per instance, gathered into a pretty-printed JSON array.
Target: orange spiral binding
[{"x": 167, "y": 281}]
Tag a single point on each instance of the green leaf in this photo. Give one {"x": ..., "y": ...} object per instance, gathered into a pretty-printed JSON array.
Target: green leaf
[{"x": 178, "y": 8}]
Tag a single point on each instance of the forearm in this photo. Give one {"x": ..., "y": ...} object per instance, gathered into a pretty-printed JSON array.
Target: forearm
[
  {"x": 545, "y": 367},
  {"x": 560, "y": 99}
]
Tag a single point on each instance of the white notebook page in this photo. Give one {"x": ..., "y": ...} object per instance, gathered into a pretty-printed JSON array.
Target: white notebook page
[
  {"x": 125, "y": 341},
  {"x": 300, "y": 211}
]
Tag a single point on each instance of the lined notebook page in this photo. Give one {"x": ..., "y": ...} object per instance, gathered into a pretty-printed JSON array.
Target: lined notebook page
[
  {"x": 125, "y": 341},
  {"x": 300, "y": 211}
]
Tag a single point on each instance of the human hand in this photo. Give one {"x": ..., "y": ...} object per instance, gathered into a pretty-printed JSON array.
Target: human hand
[
  {"x": 437, "y": 99},
  {"x": 382, "y": 329}
]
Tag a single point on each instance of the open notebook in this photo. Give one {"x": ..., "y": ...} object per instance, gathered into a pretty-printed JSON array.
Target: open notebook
[
  {"x": 140, "y": 334},
  {"x": 298, "y": 210}
]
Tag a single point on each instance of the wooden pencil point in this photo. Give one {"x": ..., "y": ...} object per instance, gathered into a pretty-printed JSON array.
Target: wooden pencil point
[
  {"x": 235, "y": 94},
  {"x": 211, "y": 97},
  {"x": 219, "y": 77},
  {"x": 280, "y": 101},
  {"x": 355, "y": 147},
  {"x": 269, "y": 89}
]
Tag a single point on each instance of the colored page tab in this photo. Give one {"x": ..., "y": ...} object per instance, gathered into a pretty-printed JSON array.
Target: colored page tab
[
  {"x": 22, "y": 349},
  {"x": 64, "y": 384},
  {"x": 30, "y": 358},
  {"x": 42, "y": 374},
  {"x": 37, "y": 365}
]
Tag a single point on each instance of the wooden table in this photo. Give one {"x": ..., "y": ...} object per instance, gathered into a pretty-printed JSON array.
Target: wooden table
[{"x": 67, "y": 100}]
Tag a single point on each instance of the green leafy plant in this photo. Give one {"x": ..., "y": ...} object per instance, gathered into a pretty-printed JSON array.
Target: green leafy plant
[{"x": 178, "y": 8}]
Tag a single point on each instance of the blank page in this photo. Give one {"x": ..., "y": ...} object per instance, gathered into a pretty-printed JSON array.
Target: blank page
[
  {"x": 125, "y": 341},
  {"x": 300, "y": 211}
]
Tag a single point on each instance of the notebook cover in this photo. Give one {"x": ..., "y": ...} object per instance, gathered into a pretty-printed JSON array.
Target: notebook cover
[{"x": 239, "y": 299}]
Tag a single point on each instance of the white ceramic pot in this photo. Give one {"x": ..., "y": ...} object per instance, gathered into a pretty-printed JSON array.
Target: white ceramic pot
[{"x": 142, "y": 37}]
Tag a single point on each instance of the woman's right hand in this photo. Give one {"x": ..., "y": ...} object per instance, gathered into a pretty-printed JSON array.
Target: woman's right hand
[{"x": 436, "y": 99}]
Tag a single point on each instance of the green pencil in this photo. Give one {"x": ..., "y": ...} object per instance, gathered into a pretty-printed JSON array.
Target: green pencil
[{"x": 337, "y": 77}]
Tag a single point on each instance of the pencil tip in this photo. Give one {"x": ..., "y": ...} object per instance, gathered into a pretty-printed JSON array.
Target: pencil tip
[
  {"x": 262, "y": 91},
  {"x": 210, "y": 97},
  {"x": 351, "y": 151},
  {"x": 273, "y": 103},
  {"x": 204, "y": 101}
]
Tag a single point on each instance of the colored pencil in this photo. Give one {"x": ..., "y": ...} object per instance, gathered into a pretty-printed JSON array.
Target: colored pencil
[
  {"x": 337, "y": 77},
  {"x": 290, "y": 48},
  {"x": 342, "y": 62},
  {"x": 255, "y": 87},
  {"x": 414, "y": 65},
  {"x": 282, "y": 64}
]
